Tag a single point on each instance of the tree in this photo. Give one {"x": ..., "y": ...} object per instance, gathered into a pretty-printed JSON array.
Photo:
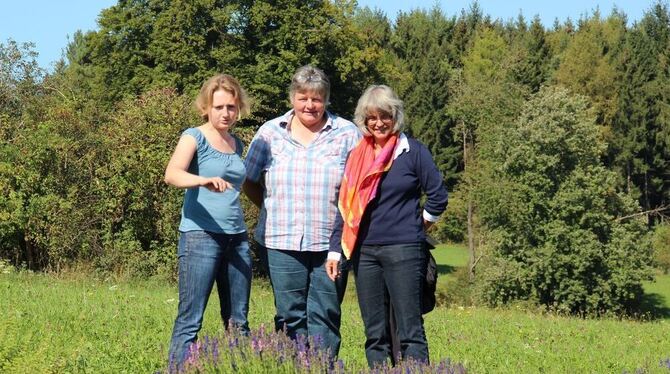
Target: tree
[
  {"x": 588, "y": 64},
  {"x": 552, "y": 216},
  {"x": 484, "y": 96},
  {"x": 421, "y": 42},
  {"x": 48, "y": 198},
  {"x": 144, "y": 45},
  {"x": 532, "y": 57},
  {"x": 20, "y": 86},
  {"x": 137, "y": 213},
  {"x": 641, "y": 134},
  {"x": 20, "y": 78},
  {"x": 465, "y": 28}
]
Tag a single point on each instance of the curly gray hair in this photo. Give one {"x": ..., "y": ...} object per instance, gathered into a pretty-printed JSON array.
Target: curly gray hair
[{"x": 379, "y": 98}]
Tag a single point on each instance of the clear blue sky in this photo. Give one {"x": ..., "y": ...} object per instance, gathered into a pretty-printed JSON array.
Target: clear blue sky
[{"x": 48, "y": 23}]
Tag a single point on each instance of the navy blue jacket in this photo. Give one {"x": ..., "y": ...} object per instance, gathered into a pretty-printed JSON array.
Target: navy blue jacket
[{"x": 395, "y": 216}]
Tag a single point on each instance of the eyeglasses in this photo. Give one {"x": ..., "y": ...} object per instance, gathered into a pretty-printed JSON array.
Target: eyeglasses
[{"x": 384, "y": 118}]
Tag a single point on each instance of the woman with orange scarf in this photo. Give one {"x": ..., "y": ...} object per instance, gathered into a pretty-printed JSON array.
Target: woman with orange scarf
[{"x": 381, "y": 227}]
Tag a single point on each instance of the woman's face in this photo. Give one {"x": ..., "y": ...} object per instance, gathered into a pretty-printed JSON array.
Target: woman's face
[
  {"x": 380, "y": 125},
  {"x": 309, "y": 107},
  {"x": 224, "y": 110}
]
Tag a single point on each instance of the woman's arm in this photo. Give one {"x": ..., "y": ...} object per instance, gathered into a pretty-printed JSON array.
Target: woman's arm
[
  {"x": 257, "y": 158},
  {"x": 176, "y": 172},
  {"x": 432, "y": 185},
  {"x": 335, "y": 248},
  {"x": 254, "y": 191}
]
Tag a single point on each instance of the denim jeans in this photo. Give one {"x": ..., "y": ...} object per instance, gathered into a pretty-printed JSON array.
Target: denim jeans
[
  {"x": 307, "y": 301},
  {"x": 391, "y": 274},
  {"x": 205, "y": 257}
]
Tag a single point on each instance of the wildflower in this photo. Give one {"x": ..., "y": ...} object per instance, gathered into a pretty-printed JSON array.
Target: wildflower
[
  {"x": 255, "y": 344},
  {"x": 205, "y": 347},
  {"x": 339, "y": 365},
  {"x": 274, "y": 351},
  {"x": 215, "y": 350},
  {"x": 232, "y": 342},
  {"x": 301, "y": 343},
  {"x": 193, "y": 356}
]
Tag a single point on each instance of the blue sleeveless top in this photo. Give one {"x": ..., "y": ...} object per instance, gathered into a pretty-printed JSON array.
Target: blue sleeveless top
[{"x": 218, "y": 212}]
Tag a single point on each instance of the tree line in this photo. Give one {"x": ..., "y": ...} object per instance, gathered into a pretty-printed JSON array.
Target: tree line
[{"x": 554, "y": 141}]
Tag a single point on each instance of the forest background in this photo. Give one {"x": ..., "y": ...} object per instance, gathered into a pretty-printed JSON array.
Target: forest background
[{"x": 554, "y": 141}]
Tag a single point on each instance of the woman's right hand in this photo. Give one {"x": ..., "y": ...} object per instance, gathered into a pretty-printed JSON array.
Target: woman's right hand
[
  {"x": 333, "y": 269},
  {"x": 215, "y": 184}
]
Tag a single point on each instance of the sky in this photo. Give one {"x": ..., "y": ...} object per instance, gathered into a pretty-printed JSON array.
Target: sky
[{"x": 50, "y": 24}]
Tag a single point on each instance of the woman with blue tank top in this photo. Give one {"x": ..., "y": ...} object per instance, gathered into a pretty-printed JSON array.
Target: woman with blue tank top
[{"x": 213, "y": 244}]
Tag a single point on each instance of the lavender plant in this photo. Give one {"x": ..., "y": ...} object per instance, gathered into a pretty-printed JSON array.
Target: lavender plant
[
  {"x": 264, "y": 351},
  {"x": 665, "y": 363}
]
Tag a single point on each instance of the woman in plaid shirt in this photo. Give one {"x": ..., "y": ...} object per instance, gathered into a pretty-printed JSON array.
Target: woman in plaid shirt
[{"x": 294, "y": 169}]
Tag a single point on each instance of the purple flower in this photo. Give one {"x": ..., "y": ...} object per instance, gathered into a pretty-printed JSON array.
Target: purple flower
[
  {"x": 233, "y": 342},
  {"x": 193, "y": 356},
  {"x": 215, "y": 350},
  {"x": 263, "y": 349},
  {"x": 301, "y": 343},
  {"x": 205, "y": 346}
]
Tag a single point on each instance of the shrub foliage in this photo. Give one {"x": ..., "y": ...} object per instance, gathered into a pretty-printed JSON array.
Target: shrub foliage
[{"x": 553, "y": 216}]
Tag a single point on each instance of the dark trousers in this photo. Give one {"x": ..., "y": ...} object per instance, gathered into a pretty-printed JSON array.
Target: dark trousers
[{"x": 391, "y": 276}]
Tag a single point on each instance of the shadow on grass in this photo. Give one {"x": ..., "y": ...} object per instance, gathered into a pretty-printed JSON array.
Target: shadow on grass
[
  {"x": 654, "y": 306},
  {"x": 445, "y": 269}
]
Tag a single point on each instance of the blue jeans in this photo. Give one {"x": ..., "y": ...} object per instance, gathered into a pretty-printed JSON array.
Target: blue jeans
[
  {"x": 307, "y": 301},
  {"x": 205, "y": 257},
  {"x": 391, "y": 274}
]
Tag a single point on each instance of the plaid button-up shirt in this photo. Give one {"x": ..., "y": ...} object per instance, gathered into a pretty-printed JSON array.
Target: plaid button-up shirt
[{"x": 301, "y": 182}]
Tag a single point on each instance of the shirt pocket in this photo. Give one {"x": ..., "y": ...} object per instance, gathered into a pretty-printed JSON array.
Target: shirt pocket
[
  {"x": 279, "y": 170},
  {"x": 280, "y": 155},
  {"x": 333, "y": 165},
  {"x": 336, "y": 156}
]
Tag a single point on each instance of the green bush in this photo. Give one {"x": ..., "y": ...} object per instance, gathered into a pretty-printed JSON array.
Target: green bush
[
  {"x": 458, "y": 290},
  {"x": 139, "y": 213},
  {"x": 551, "y": 214},
  {"x": 452, "y": 227},
  {"x": 83, "y": 188},
  {"x": 47, "y": 178}
]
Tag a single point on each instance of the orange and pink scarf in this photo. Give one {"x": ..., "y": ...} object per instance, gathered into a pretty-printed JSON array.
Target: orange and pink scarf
[{"x": 359, "y": 185}]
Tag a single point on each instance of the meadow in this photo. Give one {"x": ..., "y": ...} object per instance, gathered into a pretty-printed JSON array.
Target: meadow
[{"x": 73, "y": 323}]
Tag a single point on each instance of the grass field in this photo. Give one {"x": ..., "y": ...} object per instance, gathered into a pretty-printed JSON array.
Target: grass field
[{"x": 77, "y": 324}]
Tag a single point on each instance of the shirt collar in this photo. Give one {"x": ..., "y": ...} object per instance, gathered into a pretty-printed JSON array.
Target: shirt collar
[
  {"x": 331, "y": 123},
  {"x": 403, "y": 145}
]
